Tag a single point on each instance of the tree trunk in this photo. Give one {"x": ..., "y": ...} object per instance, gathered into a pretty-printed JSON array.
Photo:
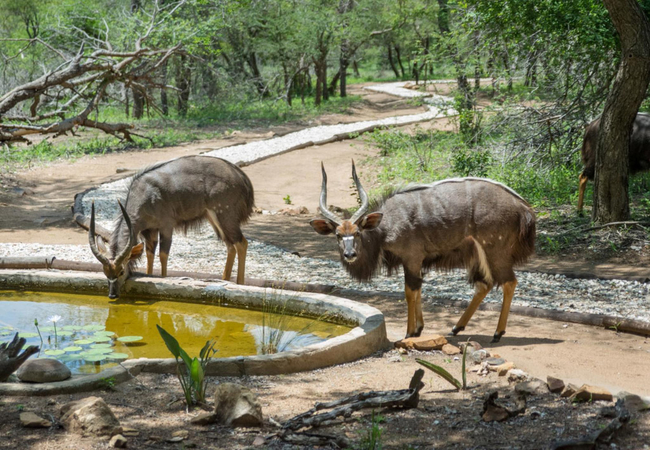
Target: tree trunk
[
  {"x": 611, "y": 201},
  {"x": 164, "y": 103},
  {"x": 183, "y": 77},
  {"x": 344, "y": 62},
  {"x": 138, "y": 104},
  {"x": 319, "y": 87},
  {"x": 398, "y": 55},
  {"x": 391, "y": 62}
]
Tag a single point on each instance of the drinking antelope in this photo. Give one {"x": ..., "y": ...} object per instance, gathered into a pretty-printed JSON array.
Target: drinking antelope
[
  {"x": 176, "y": 195},
  {"x": 475, "y": 223},
  {"x": 639, "y": 155}
]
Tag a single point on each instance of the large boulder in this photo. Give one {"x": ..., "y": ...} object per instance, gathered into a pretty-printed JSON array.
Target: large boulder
[
  {"x": 90, "y": 417},
  {"x": 237, "y": 406},
  {"x": 41, "y": 370}
]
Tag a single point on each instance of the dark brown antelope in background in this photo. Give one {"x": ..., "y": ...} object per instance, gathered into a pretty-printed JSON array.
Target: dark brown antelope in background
[
  {"x": 173, "y": 195},
  {"x": 639, "y": 156},
  {"x": 473, "y": 223}
]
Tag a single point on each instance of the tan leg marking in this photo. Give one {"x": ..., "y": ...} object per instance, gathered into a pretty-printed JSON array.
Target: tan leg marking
[
  {"x": 480, "y": 291},
  {"x": 230, "y": 260},
  {"x": 411, "y": 300},
  {"x": 582, "y": 185},
  {"x": 241, "y": 249},
  {"x": 508, "y": 293},
  {"x": 163, "y": 264}
]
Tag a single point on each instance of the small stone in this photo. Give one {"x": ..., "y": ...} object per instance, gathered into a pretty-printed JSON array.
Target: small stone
[
  {"x": 555, "y": 385},
  {"x": 449, "y": 349},
  {"x": 532, "y": 387},
  {"x": 516, "y": 375},
  {"x": 495, "y": 413},
  {"x": 41, "y": 370},
  {"x": 503, "y": 369},
  {"x": 569, "y": 390},
  {"x": 495, "y": 361},
  {"x": 155, "y": 438},
  {"x": 90, "y": 416},
  {"x": 237, "y": 406},
  {"x": 130, "y": 432},
  {"x": 175, "y": 440},
  {"x": 181, "y": 433},
  {"x": 478, "y": 356},
  {"x": 121, "y": 170},
  {"x": 204, "y": 419},
  {"x": 588, "y": 393},
  {"x": 422, "y": 343},
  {"x": 118, "y": 441},
  {"x": 259, "y": 441},
  {"x": 33, "y": 420},
  {"x": 633, "y": 402}
]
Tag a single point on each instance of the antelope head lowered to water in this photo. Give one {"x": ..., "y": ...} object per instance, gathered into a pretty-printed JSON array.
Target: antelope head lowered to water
[
  {"x": 176, "y": 194},
  {"x": 474, "y": 223}
]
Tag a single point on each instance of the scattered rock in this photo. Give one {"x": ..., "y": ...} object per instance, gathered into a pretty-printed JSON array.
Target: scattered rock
[
  {"x": 449, "y": 349},
  {"x": 204, "y": 419},
  {"x": 237, "y": 406},
  {"x": 118, "y": 441},
  {"x": 473, "y": 345},
  {"x": 633, "y": 402},
  {"x": 33, "y": 420},
  {"x": 21, "y": 192},
  {"x": 478, "y": 356},
  {"x": 122, "y": 170},
  {"x": 503, "y": 369},
  {"x": 259, "y": 441},
  {"x": 90, "y": 416},
  {"x": 174, "y": 440},
  {"x": 569, "y": 390},
  {"x": 515, "y": 375},
  {"x": 495, "y": 361},
  {"x": 181, "y": 433},
  {"x": 555, "y": 385},
  {"x": 588, "y": 393},
  {"x": 130, "y": 432},
  {"x": 492, "y": 412},
  {"x": 41, "y": 370},
  {"x": 423, "y": 343},
  {"x": 495, "y": 413},
  {"x": 532, "y": 387},
  {"x": 294, "y": 211}
]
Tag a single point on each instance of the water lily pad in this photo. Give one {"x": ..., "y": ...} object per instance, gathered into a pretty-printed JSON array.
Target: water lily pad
[
  {"x": 101, "y": 346},
  {"x": 104, "y": 333},
  {"x": 117, "y": 356},
  {"x": 95, "y": 358},
  {"x": 93, "y": 328},
  {"x": 127, "y": 339},
  {"x": 53, "y": 352},
  {"x": 100, "y": 339},
  {"x": 47, "y": 329},
  {"x": 6, "y": 327},
  {"x": 70, "y": 328},
  {"x": 64, "y": 333},
  {"x": 98, "y": 351},
  {"x": 6, "y": 333},
  {"x": 84, "y": 341},
  {"x": 27, "y": 335},
  {"x": 69, "y": 357},
  {"x": 73, "y": 348}
]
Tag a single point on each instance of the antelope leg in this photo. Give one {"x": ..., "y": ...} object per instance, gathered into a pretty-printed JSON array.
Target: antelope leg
[
  {"x": 411, "y": 299},
  {"x": 582, "y": 185},
  {"x": 480, "y": 291},
  {"x": 230, "y": 260},
  {"x": 151, "y": 239},
  {"x": 241, "y": 248},
  {"x": 165, "y": 245},
  {"x": 419, "y": 320},
  {"x": 508, "y": 293}
]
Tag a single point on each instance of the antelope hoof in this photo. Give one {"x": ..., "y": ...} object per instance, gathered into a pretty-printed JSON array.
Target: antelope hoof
[
  {"x": 497, "y": 337},
  {"x": 456, "y": 330}
]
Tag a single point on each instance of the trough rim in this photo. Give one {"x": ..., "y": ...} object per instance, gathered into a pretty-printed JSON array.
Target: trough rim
[{"x": 366, "y": 338}]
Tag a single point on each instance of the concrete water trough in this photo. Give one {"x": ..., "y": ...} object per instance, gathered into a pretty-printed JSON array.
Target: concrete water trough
[{"x": 367, "y": 335}]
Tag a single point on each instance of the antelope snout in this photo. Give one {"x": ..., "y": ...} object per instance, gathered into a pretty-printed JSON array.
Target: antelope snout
[{"x": 350, "y": 255}]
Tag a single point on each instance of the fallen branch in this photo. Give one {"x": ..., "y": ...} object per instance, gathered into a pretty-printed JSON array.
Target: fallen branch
[
  {"x": 10, "y": 360},
  {"x": 404, "y": 398}
]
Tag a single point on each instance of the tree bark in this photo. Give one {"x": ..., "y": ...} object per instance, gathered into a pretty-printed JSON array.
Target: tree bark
[
  {"x": 183, "y": 77},
  {"x": 10, "y": 359},
  {"x": 611, "y": 201}
]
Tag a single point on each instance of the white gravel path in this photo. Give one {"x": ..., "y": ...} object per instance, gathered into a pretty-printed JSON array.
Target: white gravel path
[{"x": 202, "y": 252}]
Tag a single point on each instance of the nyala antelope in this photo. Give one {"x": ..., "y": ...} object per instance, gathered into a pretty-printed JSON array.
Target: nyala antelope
[
  {"x": 474, "y": 223},
  {"x": 173, "y": 195}
]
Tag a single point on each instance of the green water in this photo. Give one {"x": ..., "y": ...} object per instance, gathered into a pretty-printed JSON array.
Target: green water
[{"x": 91, "y": 326}]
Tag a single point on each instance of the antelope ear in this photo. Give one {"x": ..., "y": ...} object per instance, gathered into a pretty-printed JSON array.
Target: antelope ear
[
  {"x": 371, "y": 221},
  {"x": 136, "y": 251},
  {"x": 322, "y": 226},
  {"x": 101, "y": 245}
]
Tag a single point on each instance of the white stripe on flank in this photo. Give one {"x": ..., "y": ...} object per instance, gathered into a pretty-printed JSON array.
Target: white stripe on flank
[{"x": 483, "y": 266}]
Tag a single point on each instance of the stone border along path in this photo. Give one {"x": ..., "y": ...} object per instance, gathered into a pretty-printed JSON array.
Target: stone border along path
[
  {"x": 200, "y": 252},
  {"x": 367, "y": 337}
]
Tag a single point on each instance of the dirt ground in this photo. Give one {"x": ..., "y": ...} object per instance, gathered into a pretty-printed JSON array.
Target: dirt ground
[{"x": 445, "y": 418}]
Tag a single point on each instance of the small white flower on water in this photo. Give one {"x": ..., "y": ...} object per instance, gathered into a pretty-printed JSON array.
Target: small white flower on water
[{"x": 54, "y": 319}]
